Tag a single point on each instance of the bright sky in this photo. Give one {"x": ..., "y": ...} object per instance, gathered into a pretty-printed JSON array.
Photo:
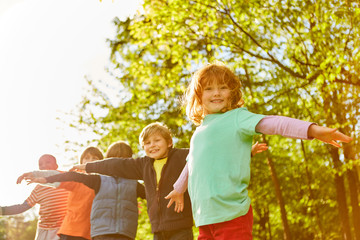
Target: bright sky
[{"x": 46, "y": 49}]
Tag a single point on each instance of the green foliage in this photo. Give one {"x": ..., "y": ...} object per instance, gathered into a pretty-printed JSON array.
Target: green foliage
[
  {"x": 144, "y": 227},
  {"x": 294, "y": 58},
  {"x": 2, "y": 229},
  {"x": 18, "y": 227}
]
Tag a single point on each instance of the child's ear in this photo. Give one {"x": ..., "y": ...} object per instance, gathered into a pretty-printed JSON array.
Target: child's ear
[{"x": 170, "y": 144}]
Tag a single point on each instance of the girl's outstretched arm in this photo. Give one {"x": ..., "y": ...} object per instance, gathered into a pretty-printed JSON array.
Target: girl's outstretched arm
[
  {"x": 298, "y": 129},
  {"x": 258, "y": 148},
  {"x": 328, "y": 135},
  {"x": 178, "y": 198},
  {"x": 182, "y": 182},
  {"x": 284, "y": 126}
]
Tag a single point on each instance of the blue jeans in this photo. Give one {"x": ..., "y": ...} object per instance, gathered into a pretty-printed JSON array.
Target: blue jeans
[{"x": 182, "y": 234}]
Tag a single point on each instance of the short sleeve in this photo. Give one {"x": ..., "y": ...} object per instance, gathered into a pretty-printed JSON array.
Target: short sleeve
[
  {"x": 246, "y": 121},
  {"x": 33, "y": 198}
]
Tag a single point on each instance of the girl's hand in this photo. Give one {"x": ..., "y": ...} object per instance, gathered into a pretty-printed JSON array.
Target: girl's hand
[
  {"x": 77, "y": 167},
  {"x": 35, "y": 180},
  {"x": 178, "y": 198},
  {"x": 258, "y": 148},
  {"x": 328, "y": 135}
]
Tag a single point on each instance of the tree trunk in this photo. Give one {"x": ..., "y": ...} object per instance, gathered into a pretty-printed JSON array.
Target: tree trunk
[
  {"x": 279, "y": 197},
  {"x": 354, "y": 202},
  {"x": 269, "y": 225},
  {"x": 341, "y": 196},
  {"x": 264, "y": 222},
  {"x": 354, "y": 190},
  {"x": 317, "y": 215}
]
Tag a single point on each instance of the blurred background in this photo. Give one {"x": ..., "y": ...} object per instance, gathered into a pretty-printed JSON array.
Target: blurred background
[{"x": 80, "y": 73}]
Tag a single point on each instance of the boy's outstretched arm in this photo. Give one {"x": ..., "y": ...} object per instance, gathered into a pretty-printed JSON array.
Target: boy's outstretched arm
[
  {"x": 92, "y": 181},
  {"x": 130, "y": 168},
  {"x": 23, "y": 176},
  {"x": 14, "y": 209},
  {"x": 41, "y": 180},
  {"x": 36, "y": 180},
  {"x": 80, "y": 167},
  {"x": 37, "y": 173},
  {"x": 328, "y": 135}
]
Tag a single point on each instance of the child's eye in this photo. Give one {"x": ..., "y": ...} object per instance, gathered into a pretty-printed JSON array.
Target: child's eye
[{"x": 224, "y": 87}]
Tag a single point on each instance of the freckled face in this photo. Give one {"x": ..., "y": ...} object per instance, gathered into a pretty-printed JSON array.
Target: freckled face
[
  {"x": 215, "y": 98},
  {"x": 156, "y": 146}
]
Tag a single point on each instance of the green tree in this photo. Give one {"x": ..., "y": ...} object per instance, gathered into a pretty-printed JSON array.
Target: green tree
[
  {"x": 295, "y": 58},
  {"x": 21, "y": 226},
  {"x": 2, "y": 229},
  {"x": 144, "y": 227}
]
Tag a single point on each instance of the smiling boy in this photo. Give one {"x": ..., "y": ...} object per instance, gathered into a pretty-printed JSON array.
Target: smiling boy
[{"x": 159, "y": 170}]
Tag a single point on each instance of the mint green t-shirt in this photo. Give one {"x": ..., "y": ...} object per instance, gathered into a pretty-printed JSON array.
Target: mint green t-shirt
[{"x": 219, "y": 166}]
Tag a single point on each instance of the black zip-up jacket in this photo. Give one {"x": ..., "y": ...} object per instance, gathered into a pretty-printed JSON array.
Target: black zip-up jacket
[{"x": 161, "y": 217}]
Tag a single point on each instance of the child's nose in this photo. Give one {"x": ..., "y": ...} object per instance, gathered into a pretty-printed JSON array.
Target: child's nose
[{"x": 216, "y": 91}]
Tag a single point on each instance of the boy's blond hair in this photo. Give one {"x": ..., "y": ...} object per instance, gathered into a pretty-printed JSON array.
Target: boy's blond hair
[
  {"x": 92, "y": 151},
  {"x": 152, "y": 129},
  {"x": 209, "y": 74},
  {"x": 119, "y": 149}
]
